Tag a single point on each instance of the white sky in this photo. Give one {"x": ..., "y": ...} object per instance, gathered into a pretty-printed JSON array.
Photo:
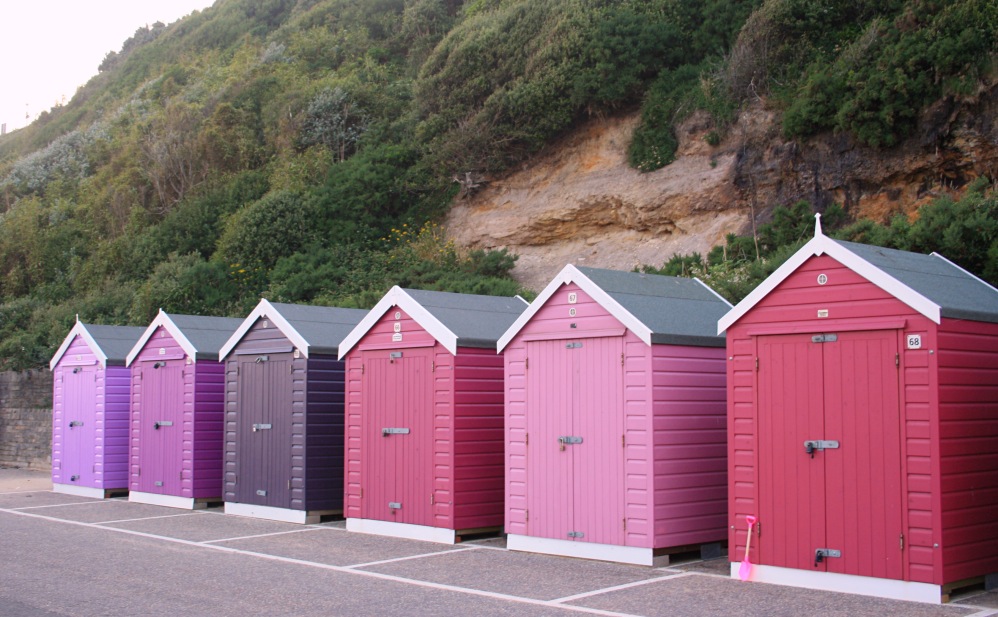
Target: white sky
[{"x": 48, "y": 48}]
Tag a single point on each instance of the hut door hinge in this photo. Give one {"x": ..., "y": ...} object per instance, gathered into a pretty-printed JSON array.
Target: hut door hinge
[
  {"x": 138, "y": 471},
  {"x": 433, "y": 367},
  {"x": 621, "y": 359},
  {"x": 625, "y": 524},
  {"x": 526, "y": 363},
  {"x": 361, "y": 369},
  {"x": 362, "y": 492},
  {"x": 897, "y": 360},
  {"x": 526, "y": 515},
  {"x": 181, "y": 474},
  {"x": 623, "y": 441},
  {"x": 901, "y": 542},
  {"x": 757, "y": 364},
  {"x": 289, "y": 485},
  {"x": 431, "y": 499},
  {"x": 526, "y": 439}
]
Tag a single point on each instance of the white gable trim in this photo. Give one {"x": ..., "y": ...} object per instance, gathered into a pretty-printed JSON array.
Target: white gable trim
[
  {"x": 162, "y": 319},
  {"x": 397, "y": 296},
  {"x": 79, "y": 329},
  {"x": 571, "y": 274},
  {"x": 820, "y": 245},
  {"x": 264, "y": 309}
]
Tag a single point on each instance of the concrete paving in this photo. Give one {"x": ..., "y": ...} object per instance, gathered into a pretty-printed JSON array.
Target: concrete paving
[{"x": 67, "y": 556}]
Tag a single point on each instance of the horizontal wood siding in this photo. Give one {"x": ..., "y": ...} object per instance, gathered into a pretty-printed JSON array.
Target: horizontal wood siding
[
  {"x": 690, "y": 451},
  {"x": 160, "y": 345},
  {"x": 204, "y": 439},
  {"x": 968, "y": 447},
  {"x": 324, "y": 438},
  {"x": 852, "y": 302},
  {"x": 478, "y": 439},
  {"x": 112, "y": 453}
]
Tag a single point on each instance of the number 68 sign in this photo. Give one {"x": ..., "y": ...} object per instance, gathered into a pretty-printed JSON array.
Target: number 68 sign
[{"x": 913, "y": 341}]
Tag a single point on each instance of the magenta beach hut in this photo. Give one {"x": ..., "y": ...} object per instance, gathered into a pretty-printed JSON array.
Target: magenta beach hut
[
  {"x": 284, "y": 412},
  {"x": 177, "y": 411},
  {"x": 615, "y": 418},
  {"x": 90, "y": 410},
  {"x": 424, "y": 433},
  {"x": 863, "y": 423}
]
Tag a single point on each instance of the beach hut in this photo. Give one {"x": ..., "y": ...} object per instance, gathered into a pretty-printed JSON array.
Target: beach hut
[
  {"x": 177, "y": 411},
  {"x": 90, "y": 410},
  {"x": 862, "y": 423},
  {"x": 424, "y": 434},
  {"x": 615, "y": 418},
  {"x": 284, "y": 412}
]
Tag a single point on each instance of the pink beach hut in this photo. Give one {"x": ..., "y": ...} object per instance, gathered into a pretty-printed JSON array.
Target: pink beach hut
[
  {"x": 615, "y": 418},
  {"x": 424, "y": 415},
  {"x": 90, "y": 410},
  {"x": 177, "y": 411},
  {"x": 862, "y": 423}
]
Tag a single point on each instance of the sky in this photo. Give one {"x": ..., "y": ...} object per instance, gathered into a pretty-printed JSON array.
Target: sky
[{"x": 49, "y": 48}]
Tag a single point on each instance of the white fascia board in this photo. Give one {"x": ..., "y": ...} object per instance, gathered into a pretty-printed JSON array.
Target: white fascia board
[
  {"x": 79, "y": 329},
  {"x": 820, "y": 245},
  {"x": 396, "y": 296},
  {"x": 264, "y": 310},
  {"x": 711, "y": 290},
  {"x": 571, "y": 274},
  {"x": 967, "y": 272},
  {"x": 162, "y": 319}
]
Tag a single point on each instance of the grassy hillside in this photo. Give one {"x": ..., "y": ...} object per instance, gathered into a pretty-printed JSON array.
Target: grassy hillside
[{"x": 302, "y": 149}]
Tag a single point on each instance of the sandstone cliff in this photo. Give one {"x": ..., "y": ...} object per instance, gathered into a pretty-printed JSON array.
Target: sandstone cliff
[{"x": 579, "y": 201}]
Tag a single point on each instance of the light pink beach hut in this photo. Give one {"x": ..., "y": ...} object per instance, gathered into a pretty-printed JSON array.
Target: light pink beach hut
[{"x": 615, "y": 418}]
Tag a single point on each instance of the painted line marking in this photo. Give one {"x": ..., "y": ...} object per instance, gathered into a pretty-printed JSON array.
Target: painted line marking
[
  {"x": 145, "y": 518},
  {"x": 410, "y": 557},
  {"x": 58, "y": 505},
  {"x": 26, "y": 492},
  {"x": 259, "y": 535},
  {"x": 598, "y": 592},
  {"x": 368, "y": 573}
]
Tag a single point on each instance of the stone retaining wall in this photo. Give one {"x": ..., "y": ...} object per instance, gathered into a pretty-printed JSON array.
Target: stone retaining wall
[{"x": 26, "y": 419}]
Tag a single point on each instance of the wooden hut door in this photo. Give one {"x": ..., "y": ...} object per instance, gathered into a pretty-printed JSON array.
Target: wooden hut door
[
  {"x": 264, "y": 429},
  {"x": 397, "y": 437},
  {"x": 79, "y": 419},
  {"x": 575, "y": 426},
  {"x": 161, "y": 427},
  {"x": 839, "y": 393}
]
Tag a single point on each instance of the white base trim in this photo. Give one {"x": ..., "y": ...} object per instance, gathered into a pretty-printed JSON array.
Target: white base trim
[
  {"x": 270, "y": 513},
  {"x": 402, "y": 530},
  {"x": 584, "y": 550},
  {"x": 170, "y": 501},
  {"x": 79, "y": 491},
  {"x": 847, "y": 583}
]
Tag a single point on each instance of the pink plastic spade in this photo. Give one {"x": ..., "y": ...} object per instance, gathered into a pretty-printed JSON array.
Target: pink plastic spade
[{"x": 745, "y": 570}]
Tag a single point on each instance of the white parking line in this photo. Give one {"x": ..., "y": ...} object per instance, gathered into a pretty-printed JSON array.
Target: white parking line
[
  {"x": 24, "y": 492},
  {"x": 261, "y": 535},
  {"x": 378, "y": 563},
  {"x": 57, "y": 505},
  {"x": 146, "y": 518},
  {"x": 367, "y": 573},
  {"x": 597, "y": 592}
]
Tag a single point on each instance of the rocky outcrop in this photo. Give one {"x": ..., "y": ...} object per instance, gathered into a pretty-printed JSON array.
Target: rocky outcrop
[{"x": 579, "y": 201}]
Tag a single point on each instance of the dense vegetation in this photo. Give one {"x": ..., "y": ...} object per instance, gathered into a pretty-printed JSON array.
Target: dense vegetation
[{"x": 302, "y": 149}]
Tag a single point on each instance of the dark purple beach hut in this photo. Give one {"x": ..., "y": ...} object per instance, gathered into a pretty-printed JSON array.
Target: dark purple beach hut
[
  {"x": 177, "y": 411},
  {"x": 284, "y": 412},
  {"x": 90, "y": 410}
]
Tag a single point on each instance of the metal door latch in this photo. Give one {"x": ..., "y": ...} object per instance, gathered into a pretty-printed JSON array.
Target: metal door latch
[
  {"x": 394, "y": 505},
  {"x": 568, "y": 440},
  {"x": 576, "y": 534},
  {"x": 821, "y": 553},
  {"x": 819, "y": 444},
  {"x": 156, "y": 425},
  {"x": 75, "y": 423},
  {"x": 262, "y": 427},
  {"x": 385, "y": 432}
]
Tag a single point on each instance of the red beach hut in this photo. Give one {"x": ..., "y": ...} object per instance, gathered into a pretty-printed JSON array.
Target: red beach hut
[
  {"x": 90, "y": 410},
  {"x": 615, "y": 418},
  {"x": 862, "y": 423},
  {"x": 424, "y": 434},
  {"x": 177, "y": 411},
  {"x": 284, "y": 412}
]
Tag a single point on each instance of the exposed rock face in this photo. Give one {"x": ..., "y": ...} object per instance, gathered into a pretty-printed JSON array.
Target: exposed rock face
[{"x": 579, "y": 201}]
